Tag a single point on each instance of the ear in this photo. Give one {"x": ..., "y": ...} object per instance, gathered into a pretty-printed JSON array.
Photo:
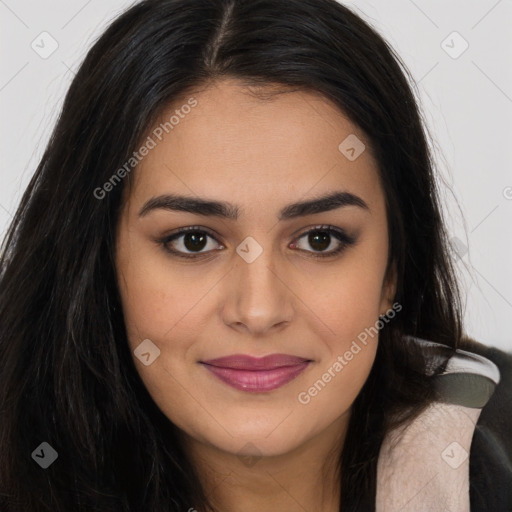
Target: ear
[{"x": 389, "y": 287}]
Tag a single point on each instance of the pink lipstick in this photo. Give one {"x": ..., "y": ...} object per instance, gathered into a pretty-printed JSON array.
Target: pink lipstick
[{"x": 256, "y": 374}]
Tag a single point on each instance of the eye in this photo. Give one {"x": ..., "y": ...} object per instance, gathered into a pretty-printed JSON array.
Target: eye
[
  {"x": 193, "y": 239},
  {"x": 321, "y": 238},
  {"x": 192, "y": 242}
]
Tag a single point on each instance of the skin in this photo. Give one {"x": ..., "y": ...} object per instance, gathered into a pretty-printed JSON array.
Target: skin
[{"x": 256, "y": 451}]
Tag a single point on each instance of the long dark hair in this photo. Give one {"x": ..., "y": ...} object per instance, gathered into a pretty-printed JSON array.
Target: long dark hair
[{"x": 67, "y": 376}]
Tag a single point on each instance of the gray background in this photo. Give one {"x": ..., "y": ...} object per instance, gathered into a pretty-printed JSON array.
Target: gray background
[{"x": 466, "y": 101}]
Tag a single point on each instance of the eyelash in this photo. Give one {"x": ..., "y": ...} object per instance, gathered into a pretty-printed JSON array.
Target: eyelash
[{"x": 339, "y": 234}]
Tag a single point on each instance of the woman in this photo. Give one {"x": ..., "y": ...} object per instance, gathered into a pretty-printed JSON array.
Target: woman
[{"x": 229, "y": 287}]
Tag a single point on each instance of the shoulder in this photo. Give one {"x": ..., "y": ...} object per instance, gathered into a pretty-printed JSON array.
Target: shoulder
[{"x": 491, "y": 447}]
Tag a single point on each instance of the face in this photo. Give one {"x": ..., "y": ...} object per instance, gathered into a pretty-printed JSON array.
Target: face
[{"x": 255, "y": 276}]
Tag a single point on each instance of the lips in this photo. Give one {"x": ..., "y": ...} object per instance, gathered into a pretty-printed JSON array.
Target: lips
[
  {"x": 249, "y": 373},
  {"x": 243, "y": 362}
]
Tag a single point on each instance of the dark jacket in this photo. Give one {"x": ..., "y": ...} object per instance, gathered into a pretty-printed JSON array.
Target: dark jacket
[{"x": 490, "y": 460}]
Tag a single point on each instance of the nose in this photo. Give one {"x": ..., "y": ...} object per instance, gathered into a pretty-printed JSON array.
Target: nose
[{"x": 258, "y": 298}]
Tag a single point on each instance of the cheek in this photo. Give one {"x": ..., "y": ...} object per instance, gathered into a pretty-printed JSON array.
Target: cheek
[
  {"x": 335, "y": 383},
  {"x": 348, "y": 304},
  {"x": 155, "y": 297}
]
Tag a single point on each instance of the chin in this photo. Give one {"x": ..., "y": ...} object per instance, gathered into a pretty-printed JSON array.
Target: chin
[{"x": 263, "y": 442}]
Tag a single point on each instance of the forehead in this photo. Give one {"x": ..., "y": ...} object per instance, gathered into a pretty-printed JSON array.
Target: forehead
[{"x": 226, "y": 138}]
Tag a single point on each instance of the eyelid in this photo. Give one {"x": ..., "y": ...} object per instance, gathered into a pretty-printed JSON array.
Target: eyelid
[
  {"x": 344, "y": 239},
  {"x": 340, "y": 234}
]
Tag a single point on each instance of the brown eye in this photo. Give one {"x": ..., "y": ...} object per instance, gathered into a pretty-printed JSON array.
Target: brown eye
[
  {"x": 194, "y": 241},
  {"x": 322, "y": 238},
  {"x": 189, "y": 243}
]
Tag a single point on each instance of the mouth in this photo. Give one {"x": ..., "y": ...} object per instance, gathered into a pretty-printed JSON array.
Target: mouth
[{"x": 247, "y": 373}]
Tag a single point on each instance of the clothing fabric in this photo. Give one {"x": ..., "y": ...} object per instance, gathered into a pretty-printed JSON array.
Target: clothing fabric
[{"x": 457, "y": 455}]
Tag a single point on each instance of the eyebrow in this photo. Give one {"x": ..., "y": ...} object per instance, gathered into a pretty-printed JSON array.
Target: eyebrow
[{"x": 223, "y": 209}]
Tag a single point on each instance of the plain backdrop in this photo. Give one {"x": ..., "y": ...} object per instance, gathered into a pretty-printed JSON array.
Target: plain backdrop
[{"x": 459, "y": 52}]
